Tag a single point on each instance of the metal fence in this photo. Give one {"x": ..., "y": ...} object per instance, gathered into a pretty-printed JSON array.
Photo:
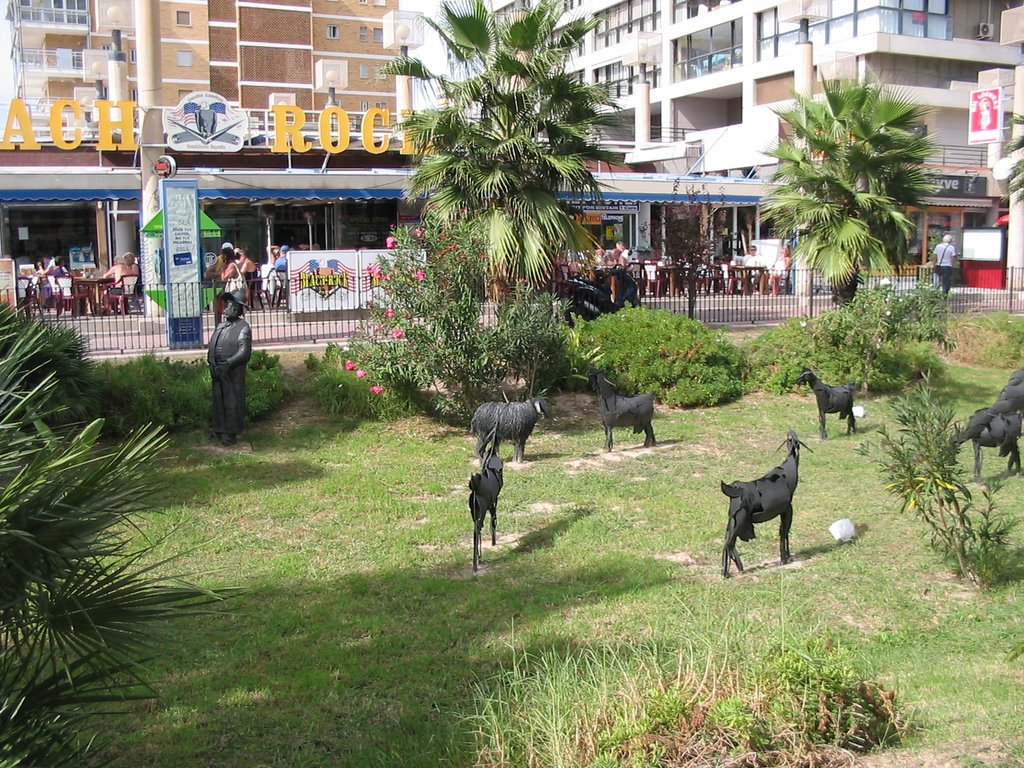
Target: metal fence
[{"x": 109, "y": 330}]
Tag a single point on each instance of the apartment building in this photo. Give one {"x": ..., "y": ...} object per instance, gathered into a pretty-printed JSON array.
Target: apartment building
[
  {"x": 718, "y": 69},
  {"x": 250, "y": 52}
]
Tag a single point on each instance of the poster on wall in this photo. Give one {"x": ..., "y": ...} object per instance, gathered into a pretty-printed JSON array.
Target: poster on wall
[
  {"x": 985, "y": 116},
  {"x": 330, "y": 281},
  {"x": 179, "y": 201},
  {"x": 82, "y": 257}
]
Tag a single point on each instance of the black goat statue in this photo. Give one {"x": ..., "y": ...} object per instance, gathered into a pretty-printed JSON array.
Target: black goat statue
[
  {"x": 616, "y": 411},
  {"x": 507, "y": 421},
  {"x": 831, "y": 400},
  {"x": 484, "y": 488},
  {"x": 990, "y": 429},
  {"x": 759, "y": 501}
]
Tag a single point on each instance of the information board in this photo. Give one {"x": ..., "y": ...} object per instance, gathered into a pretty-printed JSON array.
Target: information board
[
  {"x": 982, "y": 244},
  {"x": 179, "y": 201}
]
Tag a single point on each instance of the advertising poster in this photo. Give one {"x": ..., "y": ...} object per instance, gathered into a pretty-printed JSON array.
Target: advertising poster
[
  {"x": 331, "y": 281},
  {"x": 985, "y": 116},
  {"x": 179, "y": 200}
]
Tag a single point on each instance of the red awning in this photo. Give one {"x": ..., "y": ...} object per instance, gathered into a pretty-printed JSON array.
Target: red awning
[{"x": 1003, "y": 220}]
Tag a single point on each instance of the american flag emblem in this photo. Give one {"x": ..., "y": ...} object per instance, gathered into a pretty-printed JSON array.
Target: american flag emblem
[
  {"x": 326, "y": 278},
  {"x": 204, "y": 120}
]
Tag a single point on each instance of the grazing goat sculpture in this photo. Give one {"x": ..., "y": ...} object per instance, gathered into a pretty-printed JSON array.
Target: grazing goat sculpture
[
  {"x": 989, "y": 429},
  {"x": 484, "y": 487},
  {"x": 512, "y": 421},
  {"x": 758, "y": 501},
  {"x": 831, "y": 400},
  {"x": 616, "y": 411}
]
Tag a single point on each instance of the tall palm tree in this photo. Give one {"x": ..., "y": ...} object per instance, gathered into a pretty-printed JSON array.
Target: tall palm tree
[
  {"x": 512, "y": 130},
  {"x": 850, "y": 167}
]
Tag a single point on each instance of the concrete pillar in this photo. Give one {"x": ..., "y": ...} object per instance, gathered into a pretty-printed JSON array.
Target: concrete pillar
[
  {"x": 642, "y": 113},
  {"x": 803, "y": 84},
  {"x": 147, "y": 48},
  {"x": 643, "y": 228},
  {"x": 1015, "y": 230}
]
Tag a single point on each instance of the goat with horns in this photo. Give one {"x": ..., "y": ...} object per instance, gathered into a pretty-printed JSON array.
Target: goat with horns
[
  {"x": 759, "y": 501},
  {"x": 484, "y": 487},
  {"x": 616, "y": 411}
]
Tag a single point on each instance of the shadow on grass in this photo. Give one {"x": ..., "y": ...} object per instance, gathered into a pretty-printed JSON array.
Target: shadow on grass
[
  {"x": 207, "y": 482},
  {"x": 374, "y": 669},
  {"x": 544, "y": 538}
]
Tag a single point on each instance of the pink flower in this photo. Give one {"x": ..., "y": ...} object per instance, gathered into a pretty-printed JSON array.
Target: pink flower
[
  {"x": 376, "y": 389},
  {"x": 420, "y": 275},
  {"x": 360, "y": 373},
  {"x": 390, "y": 242},
  {"x": 387, "y": 276},
  {"x": 389, "y": 312},
  {"x": 349, "y": 365},
  {"x": 397, "y": 333},
  {"x": 373, "y": 269}
]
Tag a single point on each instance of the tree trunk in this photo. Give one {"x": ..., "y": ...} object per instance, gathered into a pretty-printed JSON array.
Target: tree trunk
[{"x": 843, "y": 291}]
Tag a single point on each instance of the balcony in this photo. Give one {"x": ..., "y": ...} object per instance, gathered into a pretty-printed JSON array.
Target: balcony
[
  {"x": 34, "y": 24},
  {"x": 42, "y": 63}
]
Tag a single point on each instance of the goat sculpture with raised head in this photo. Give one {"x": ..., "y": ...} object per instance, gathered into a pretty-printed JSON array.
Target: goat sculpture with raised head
[
  {"x": 831, "y": 400},
  {"x": 484, "y": 488},
  {"x": 990, "y": 429},
  {"x": 761, "y": 500},
  {"x": 616, "y": 411},
  {"x": 511, "y": 421}
]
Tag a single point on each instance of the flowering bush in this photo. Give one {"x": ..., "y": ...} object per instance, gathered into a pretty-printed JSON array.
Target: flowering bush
[{"x": 344, "y": 389}]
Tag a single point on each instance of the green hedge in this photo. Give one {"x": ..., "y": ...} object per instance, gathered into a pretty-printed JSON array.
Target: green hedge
[
  {"x": 176, "y": 393},
  {"x": 679, "y": 359}
]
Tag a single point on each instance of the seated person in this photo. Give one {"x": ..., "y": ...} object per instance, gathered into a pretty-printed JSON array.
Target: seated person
[{"x": 123, "y": 267}]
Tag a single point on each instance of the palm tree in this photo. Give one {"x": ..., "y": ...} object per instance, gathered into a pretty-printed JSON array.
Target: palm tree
[
  {"x": 850, "y": 168},
  {"x": 78, "y": 603},
  {"x": 514, "y": 129}
]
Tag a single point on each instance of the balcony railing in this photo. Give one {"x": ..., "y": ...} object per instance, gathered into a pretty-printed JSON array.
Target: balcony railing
[
  {"x": 959, "y": 156},
  {"x": 45, "y": 60},
  {"x": 57, "y": 16}
]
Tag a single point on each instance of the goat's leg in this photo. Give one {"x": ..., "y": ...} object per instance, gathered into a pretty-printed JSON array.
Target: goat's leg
[
  {"x": 784, "y": 524},
  {"x": 494, "y": 524},
  {"x": 607, "y": 437},
  {"x": 851, "y": 424},
  {"x": 476, "y": 546},
  {"x": 481, "y": 441},
  {"x": 977, "y": 461},
  {"x": 517, "y": 455},
  {"x": 1013, "y": 465},
  {"x": 821, "y": 424},
  {"x": 649, "y": 432},
  {"x": 729, "y": 550}
]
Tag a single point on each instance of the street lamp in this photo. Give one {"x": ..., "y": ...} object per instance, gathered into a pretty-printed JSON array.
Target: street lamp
[
  {"x": 403, "y": 30},
  {"x": 642, "y": 49},
  {"x": 1011, "y": 32},
  {"x": 94, "y": 69},
  {"x": 803, "y": 12},
  {"x": 329, "y": 75},
  {"x": 114, "y": 15}
]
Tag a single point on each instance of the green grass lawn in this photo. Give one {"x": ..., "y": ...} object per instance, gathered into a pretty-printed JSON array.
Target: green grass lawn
[{"x": 363, "y": 635}]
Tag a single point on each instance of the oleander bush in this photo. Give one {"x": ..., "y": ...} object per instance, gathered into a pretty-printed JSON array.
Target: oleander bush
[
  {"x": 882, "y": 339},
  {"x": 177, "y": 393},
  {"x": 342, "y": 388},
  {"x": 679, "y": 359},
  {"x": 61, "y": 352},
  {"x": 991, "y": 341}
]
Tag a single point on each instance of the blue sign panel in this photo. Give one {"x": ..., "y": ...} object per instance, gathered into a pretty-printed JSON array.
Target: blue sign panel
[{"x": 179, "y": 201}]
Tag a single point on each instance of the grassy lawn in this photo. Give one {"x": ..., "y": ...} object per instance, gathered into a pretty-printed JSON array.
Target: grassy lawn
[{"x": 363, "y": 635}]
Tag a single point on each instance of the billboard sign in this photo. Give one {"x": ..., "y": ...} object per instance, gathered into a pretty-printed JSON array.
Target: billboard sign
[{"x": 985, "y": 116}]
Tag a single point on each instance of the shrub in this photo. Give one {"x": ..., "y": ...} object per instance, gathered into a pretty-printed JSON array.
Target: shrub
[
  {"x": 880, "y": 339},
  {"x": 341, "y": 391},
  {"x": 527, "y": 341},
  {"x": 657, "y": 351},
  {"x": 993, "y": 341},
  {"x": 176, "y": 393},
  {"x": 921, "y": 468},
  {"x": 61, "y": 351}
]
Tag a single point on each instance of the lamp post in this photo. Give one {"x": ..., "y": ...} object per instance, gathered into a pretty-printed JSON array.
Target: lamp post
[
  {"x": 803, "y": 12},
  {"x": 1011, "y": 32},
  {"x": 94, "y": 70},
  {"x": 115, "y": 15},
  {"x": 403, "y": 31},
  {"x": 151, "y": 133},
  {"x": 329, "y": 75},
  {"x": 642, "y": 49}
]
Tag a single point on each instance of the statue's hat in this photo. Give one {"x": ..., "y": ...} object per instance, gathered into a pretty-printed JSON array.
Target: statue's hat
[{"x": 236, "y": 296}]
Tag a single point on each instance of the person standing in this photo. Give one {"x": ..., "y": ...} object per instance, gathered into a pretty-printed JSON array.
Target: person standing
[
  {"x": 229, "y": 352},
  {"x": 945, "y": 261}
]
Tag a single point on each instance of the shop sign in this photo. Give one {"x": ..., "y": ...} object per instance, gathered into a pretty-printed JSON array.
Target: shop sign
[
  {"x": 960, "y": 186},
  {"x": 205, "y": 122},
  {"x": 625, "y": 208},
  {"x": 985, "y": 116},
  {"x": 325, "y": 281},
  {"x": 202, "y": 122}
]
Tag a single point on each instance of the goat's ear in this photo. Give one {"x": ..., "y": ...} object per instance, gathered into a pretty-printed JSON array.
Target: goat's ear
[{"x": 730, "y": 490}]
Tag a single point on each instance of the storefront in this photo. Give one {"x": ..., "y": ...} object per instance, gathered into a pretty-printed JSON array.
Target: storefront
[{"x": 959, "y": 203}]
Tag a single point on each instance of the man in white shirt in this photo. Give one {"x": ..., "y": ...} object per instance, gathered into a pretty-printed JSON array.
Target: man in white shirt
[{"x": 945, "y": 261}]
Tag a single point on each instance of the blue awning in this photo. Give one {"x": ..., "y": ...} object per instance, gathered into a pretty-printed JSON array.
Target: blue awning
[
  {"x": 236, "y": 193},
  {"x": 66, "y": 195}
]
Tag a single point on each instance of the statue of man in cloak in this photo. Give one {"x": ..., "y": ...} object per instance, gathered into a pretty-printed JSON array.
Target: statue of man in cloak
[{"x": 229, "y": 351}]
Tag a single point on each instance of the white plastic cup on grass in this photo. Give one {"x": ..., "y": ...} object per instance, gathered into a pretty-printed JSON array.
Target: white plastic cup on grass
[{"x": 842, "y": 530}]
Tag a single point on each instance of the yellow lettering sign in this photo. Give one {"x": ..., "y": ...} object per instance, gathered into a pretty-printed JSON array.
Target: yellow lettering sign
[
  {"x": 57, "y": 124},
  {"x": 289, "y": 120},
  {"x": 19, "y": 122},
  {"x": 368, "y": 120},
  {"x": 119, "y": 117},
  {"x": 331, "y": 116}
]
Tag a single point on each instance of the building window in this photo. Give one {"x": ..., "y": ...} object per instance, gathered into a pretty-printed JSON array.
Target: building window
[
  {"x": 709, "y": 50},
  {"x": 364, "y": 71},
  {"x": 380, "y": 2},
  {"x": 182, "y": 93},
  {"x": 131, "y": 56},
  {"x": 615, "y": 77},
  {"x": 630, "y": 16},
  {"x": 333, "y": 32},
  {"x": 106, "y": 47},
  {"x": 848, "y": 19},
  {"x": 364, "y": 35},
  {"x": 135, "y": 94},
  {"x": 381, "y": 105},
  {"x": 183, "y": 18},
  {"x": 364, "y": 2},
  {"x": 378, "y": 34},
  {"x": 183, "y": 58},
  {"x": 364, "y": 105}
]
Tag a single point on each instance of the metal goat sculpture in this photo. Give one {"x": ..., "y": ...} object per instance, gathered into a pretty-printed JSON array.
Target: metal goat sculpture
[
  {"x": 761, "y": 500},
  {"x": 484, "y": 488},
  {"x": 831, "y": 400},
  {"x": 616, "y": 411},
  {"x": 988, "y": 429}
]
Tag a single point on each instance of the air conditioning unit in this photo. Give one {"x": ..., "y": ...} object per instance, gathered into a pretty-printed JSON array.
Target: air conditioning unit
[{"x": 985, "y": 31}]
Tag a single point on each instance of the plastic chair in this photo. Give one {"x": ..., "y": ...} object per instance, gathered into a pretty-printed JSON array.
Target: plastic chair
[
  {"x": 63, "y": 299},
  {"x": 655, "y": 280},
  {"x": 119, "y": 295}
]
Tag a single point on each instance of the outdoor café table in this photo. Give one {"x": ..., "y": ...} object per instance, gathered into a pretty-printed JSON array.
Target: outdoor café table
[
  {"x": 90, "y": 289},
  {"x": 672, "y": 275},
  {"x": 751, "y": 275}
]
